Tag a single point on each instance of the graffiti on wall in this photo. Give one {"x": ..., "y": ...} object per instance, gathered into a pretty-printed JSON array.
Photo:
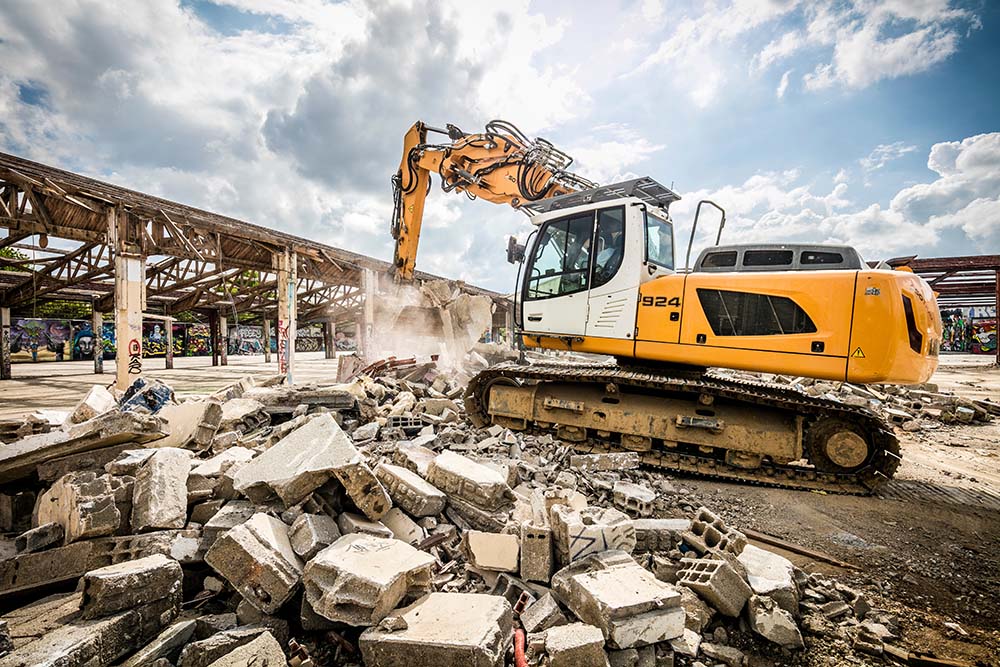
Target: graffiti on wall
[
  {"x": 969, "y": 330},
  {"x": 984, "y": 336},
  {"x": 245, "y": 339},
  {"x": 39, "y": 340}
]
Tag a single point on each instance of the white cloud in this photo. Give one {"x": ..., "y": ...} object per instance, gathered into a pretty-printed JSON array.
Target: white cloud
[
  {"x": 956, "y": 214},
  {"x": 609, "y": 152},
  {"x": 783, "y": 86},
  {"x": 883, "y": 154},
  {"x": 842, "y": 176}
]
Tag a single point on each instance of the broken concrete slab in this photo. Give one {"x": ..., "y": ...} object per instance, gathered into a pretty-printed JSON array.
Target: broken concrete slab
[
  {"x": 122, "y": 586},
  {"x": 475, "y": 483},
  {"x": 445, "y": 630},
  {"x": 20, "y": 459},
  {"x": 218, "y": 464},
  {"x": 360, "y": 578},
  {"x": 82, "y": 503},
  {"x": 403, "y": 527},
  {"x": 168, "y": 642},
  {"x": 243, "y": 415},
  {"x": 257, "y": 559},
  {"x": 264, "y": 650},
  {"x": 97, "y": 401},
  {"x": 311, "y": 533},
  {"x": 191, "y": 425},
  {"x": 160, "y": 496},
  {"x": 36, "y": 539},
  {"x": 613, "y": 592},
  {"x": 413, "y": 457},
  {"x": 579, "y": 533},
  {"x": 232, "y": 514},
  {"x": 366, "y": 432},
  {"x": 128, "y": 462},
  {"x": 634, "y": 499},
  {"x": 659, "y": 535},
  {"x": 304, "y": 460},
  {"x": 543, "y": 614},
  {"x": 207, "y": 650},
  {"x": 772, "y": 575},
  {"x": 717, "y": 583},
  {"x": 95, "y": 460},
  {"x": 575, "y": 645},
  {"x": 497, "y": 552},
  {"x": 349, "y": 523},
  {"x": 411, "y": 492},
  {"x": 773, "y": 623}
]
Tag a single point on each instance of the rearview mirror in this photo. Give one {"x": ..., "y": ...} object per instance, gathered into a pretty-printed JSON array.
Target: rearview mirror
[{"x": 515, "y": 251}]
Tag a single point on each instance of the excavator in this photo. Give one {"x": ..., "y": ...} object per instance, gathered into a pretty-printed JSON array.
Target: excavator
[{"x": 599, "y": 275}]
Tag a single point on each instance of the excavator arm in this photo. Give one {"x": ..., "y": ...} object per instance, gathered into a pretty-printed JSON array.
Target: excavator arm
[{"x": 500, "y": 165}]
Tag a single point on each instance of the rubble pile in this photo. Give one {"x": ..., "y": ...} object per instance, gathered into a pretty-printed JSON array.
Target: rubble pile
[{"x": 367, "y": 523}]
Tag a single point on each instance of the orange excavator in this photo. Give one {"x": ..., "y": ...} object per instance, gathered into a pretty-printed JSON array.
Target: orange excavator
[{"x": 599, "y": 275}]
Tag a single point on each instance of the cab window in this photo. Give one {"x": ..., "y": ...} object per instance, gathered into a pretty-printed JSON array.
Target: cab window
[
  {"x": 560, "y": 263},
  {"x": 610, "y": 244},
  {"x": 659, "y": 241}
]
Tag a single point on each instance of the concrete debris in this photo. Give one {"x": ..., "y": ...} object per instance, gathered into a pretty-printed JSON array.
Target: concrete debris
[
  {"x": 280, "y": 515},
  {"x": 445, "y": 630},
  {"x": 359, "y": 578},
  {"x": 257, "y": 559}
]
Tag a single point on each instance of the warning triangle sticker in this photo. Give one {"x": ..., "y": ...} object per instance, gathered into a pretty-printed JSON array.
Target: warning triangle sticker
[{"x": 858, "y": 354}]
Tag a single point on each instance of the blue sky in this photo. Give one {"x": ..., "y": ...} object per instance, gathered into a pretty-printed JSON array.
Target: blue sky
[{"x": 870, "y": 123}]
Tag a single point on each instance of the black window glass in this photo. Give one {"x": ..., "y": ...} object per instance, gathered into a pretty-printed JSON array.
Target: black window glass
[
  {"x": 750, "y": 314},
  {"x": 561, "y": 261},
  {"x": 767, "y": 257},
  {"x": 610, "y": 244},
  {"x": 815, "y": 257},
  {"x": 718, "y": 259}
]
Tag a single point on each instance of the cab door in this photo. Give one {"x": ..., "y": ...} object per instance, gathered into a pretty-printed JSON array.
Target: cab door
[
  {"x": 614, "y": 280},
  {"x": 556, "y": 284}
]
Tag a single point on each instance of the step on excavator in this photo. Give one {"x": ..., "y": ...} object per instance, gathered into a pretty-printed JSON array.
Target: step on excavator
[{"x": 598, "y": 275}]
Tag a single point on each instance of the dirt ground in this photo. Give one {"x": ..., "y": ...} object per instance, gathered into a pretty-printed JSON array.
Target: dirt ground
[{"x": 927, "y": 547}]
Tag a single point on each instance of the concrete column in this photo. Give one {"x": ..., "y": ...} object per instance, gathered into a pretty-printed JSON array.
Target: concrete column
[
  {"x": 997, "y": 309},
  {"x": 509, "y": 324},
  {"x": 97, "y": 325},
  {"x": 286, "y": 269},
  {"x": 169, "y": 359},
  {"x": 5, "y": 344},
  {"x": 130, "y": 279},
  {"x": 330, "y": 339},
  {"x": 223, "y": 340},
  {"x": 213, "y": 327},
  {"x": 267, "y": 340},
  {"x": 366, "y": 330}
]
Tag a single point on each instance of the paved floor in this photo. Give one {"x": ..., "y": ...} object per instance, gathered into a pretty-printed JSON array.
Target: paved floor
[{"x": 59, "y": 385}]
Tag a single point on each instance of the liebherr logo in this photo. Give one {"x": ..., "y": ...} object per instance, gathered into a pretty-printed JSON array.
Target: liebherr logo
[{"x": 873, "y": 291}]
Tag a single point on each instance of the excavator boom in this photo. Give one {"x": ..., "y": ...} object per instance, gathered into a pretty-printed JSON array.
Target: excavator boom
[{"x": 500, "y": 165}]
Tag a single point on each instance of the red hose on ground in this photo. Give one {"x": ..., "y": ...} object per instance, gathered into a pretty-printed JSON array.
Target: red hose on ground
[{"x": 520, "y": 660}]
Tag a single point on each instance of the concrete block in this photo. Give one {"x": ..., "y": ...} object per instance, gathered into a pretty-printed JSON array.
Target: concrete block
[
  {"x": 311, "y": 533},
  {"x": 772, "y": 575},
  {"x": 613, "y": 592},
  {"x": 82, "y": 503},
  {"x": 403, "y": 527},
  {"x": 122, "y": 586},
  {"x": 218, "y": 464},
  {"x": 411, "y": 492},
  {"x": 348, "y": 522},
  {"x": 168, "y": 642},
  {"x": 604, "y": 462},
  {"x": 633, "y": 499},
  {"x": 257, "y": 558},
  {"x": 128, "y": 462},
  {"x": 36, "y": 539},
  {"x": 536, "y": 551},
  {"x": 191, "y": 425},
  {"x": 717, "y": 583},
  {"x": 653, "y": 535},
  {"x": 97, "y": 401},
  {"x": 160, "y": 496},
  {"x": 475, "y": 483},
  {"x": 489, "y": 521},
  {"x": 359, "y": 578},
  {"x": 366, "y": 432},
  {"x": 698, "y": 613},
  {"x": 264, "y": 650},
  {"x": 304, "y": 460},
  {"x": 243, "y": 415},
  {"x": 206, "y": 651},
  {"x": 542, "y": 615},
  {"x": 415, "y": 458},
  {"x": 575, "y": 645},
  {"x": 588, "y": 531},
  {"x": 773, "y": 623},
  {"x": 731, "y": 656},
  {"x": 232, "y": 514},
  {"x": 687, "y": 644},
  {"x": 445, "y": 630},
  {"x": 709, "y": 533},
  {"x": 498, "y": 552},
  {"x": 95, "y": 460}
]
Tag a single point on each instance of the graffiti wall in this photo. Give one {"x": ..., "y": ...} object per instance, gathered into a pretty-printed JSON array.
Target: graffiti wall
[
  {"x": 40, "y": 340},
  {"x": 970, "y": 330},
  {"x": 245, "y": 339}
]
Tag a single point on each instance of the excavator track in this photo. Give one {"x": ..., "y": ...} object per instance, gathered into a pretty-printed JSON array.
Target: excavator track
[{"x": 819, "y": 415}]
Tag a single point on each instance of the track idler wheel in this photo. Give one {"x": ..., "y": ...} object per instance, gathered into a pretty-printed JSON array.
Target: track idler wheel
[{"x": 834, "y": 445}]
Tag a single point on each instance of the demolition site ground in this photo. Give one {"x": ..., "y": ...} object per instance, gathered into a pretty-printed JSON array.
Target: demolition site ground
[{"x": 924, "y": 553}]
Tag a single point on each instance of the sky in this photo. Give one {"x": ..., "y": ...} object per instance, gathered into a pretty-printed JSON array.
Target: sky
[{"x": 875, "y": 124}]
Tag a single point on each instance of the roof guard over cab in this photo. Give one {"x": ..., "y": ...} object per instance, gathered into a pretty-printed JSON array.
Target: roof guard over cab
[{"x": 645, "y": 188}]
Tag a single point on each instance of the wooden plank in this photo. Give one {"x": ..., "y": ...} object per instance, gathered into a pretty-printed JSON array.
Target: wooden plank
[{"x": 796, "y": 548}]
